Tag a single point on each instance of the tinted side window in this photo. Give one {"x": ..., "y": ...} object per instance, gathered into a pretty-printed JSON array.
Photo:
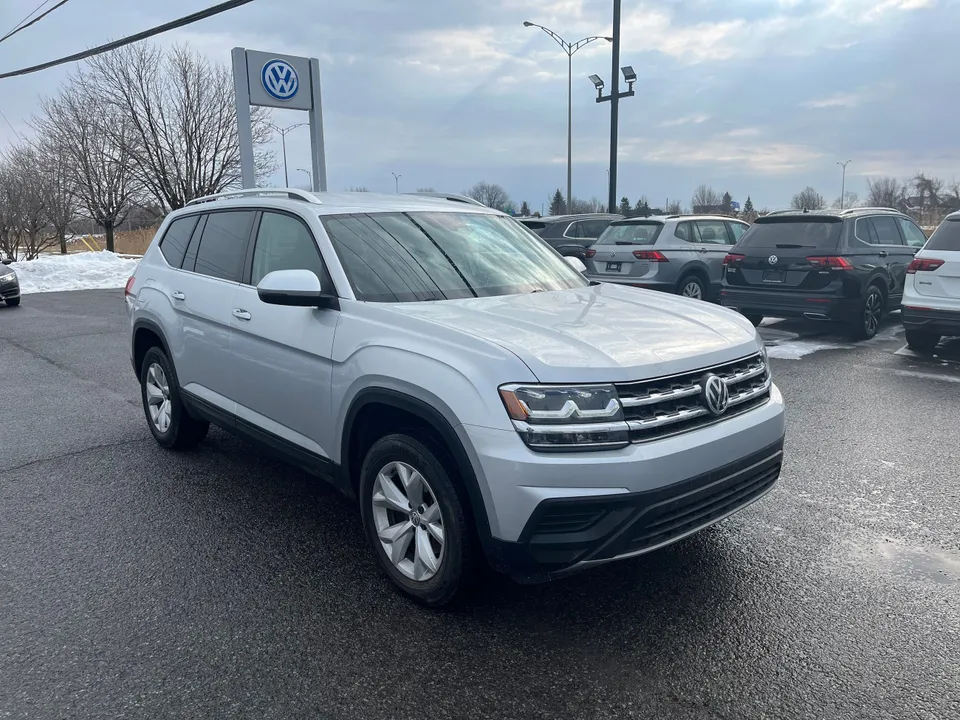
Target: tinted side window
[
  {"x": 573, "y": 230},
  {"x": 176, "y": 238},
  {"x": 947, "y": 237},
  {"x": 285, "y": 243},
  {"x": 223, "y": 244},
  {"x": 913, "y": 234},
  {"x": 865, "y": 232},
  {"x": 687, "y": 231},
  {"x": 737, "y": 229},
  {"x": 593, "y": 228},
  {"x": 887, "y": 232},
  {"x": 712, "y": 232}
]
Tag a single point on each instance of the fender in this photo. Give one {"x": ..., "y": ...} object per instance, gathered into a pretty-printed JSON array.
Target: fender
[
  {"x": 431, "y": 415},
  {"x": 145, "y": 324}
]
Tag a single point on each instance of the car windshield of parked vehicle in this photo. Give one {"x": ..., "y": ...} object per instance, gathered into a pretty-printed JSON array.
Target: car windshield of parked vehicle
[
  {"x": 792, "y": 232},
  {"x": 407, "y": 257},
  {"x": 946, "y": 238},
  {"x": 633, "y": 233}
]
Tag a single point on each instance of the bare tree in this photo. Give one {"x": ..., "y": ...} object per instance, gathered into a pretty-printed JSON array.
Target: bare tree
[
  {"x": 489, "y": 194},
  {"x": 673, "y": 208},
  {"x": 808, "y": 199},
  {"x": 184, "y": 141},
  {"x": 704, "y": 197},
  {"x": 850, "y": 200},
  {"x": 885, "y": 192},
  {"x": 27, "y": 220},
  {"x": 60, "y": 195},
  {"x": 928, "y": 189},
  {"x": 97, "y": 148}
]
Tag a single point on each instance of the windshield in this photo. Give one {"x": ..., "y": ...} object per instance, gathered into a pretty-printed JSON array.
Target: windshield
[
  {"x": 947, "y": 237},
  {"x": 792, "y": 232},
  {"x": 406, "y": 257},
  {"x": 635, "y": 233}
]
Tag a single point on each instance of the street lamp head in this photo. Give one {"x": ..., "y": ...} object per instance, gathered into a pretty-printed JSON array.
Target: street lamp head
[
  {"x": 628, "y": 74},
  {"x": 608, "y": 38},
  {"x": 597, "y": 82},
  {"x": 527, "y": 23}
]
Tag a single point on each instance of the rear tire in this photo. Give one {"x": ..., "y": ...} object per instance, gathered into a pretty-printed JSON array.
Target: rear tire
[
  {"x": 923, "y": 342},
  {"x": 168, "y": 419},
  {"x": 754, "y": 319},
  {"x": 13, "y": 302},
  {"x": 867, "y": 321},
  {"x": 415, "y": 520},
  {"x": 691, "y": 286}
]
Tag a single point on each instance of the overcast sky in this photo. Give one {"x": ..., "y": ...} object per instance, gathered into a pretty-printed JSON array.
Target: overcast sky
[{"x": 758, "y": 97}]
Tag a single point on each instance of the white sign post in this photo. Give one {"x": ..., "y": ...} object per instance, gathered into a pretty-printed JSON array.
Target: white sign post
[{"x": 279, "y": 81}]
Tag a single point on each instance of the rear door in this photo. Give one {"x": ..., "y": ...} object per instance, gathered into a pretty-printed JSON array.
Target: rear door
[
  {"x": 615, "y": 252},
  {"x": 715, "y": 242},
  {"x": 893, "y": 253},
  {"x": 944, "y": 281},
  {"x": 777, "y": 250}
]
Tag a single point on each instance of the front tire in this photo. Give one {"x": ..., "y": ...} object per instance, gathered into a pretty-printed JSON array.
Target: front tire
[
  {"x": 415, "y": 520},
  {"x": 865, "y": 325},
  {"x": 923, "y": 342},
  {"x": 168, "y": 419},
  {"x": 13, "y": 302}
]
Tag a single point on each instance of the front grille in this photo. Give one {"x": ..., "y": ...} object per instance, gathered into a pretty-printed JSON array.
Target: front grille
[
  {"x": 658, "y": 408},
  {"x": 684, "y": 514},
  {"x": 569, "y": 519}
]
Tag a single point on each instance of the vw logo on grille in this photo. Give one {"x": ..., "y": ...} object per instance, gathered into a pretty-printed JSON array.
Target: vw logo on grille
[
  {"x": 280, "y": 79},
  {"x": 773, "y": 259},
  {"x": 715, "y": 394}
]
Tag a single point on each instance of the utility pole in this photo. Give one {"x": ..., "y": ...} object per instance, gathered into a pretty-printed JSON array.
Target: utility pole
[
  {"x": 843, "y": 181},
  {"x": 396, "y": 180}
]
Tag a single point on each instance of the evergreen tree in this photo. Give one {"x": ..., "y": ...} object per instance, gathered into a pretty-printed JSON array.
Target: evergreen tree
[
  {"x": 642, "y": 208},
  {"x": 726, "y": 204},
  {"x": 557, "y": 205},
  {"x": 625, "y": 207},
  {"x": 748, "y": 206},
  {"x": 525, "y": 209}
]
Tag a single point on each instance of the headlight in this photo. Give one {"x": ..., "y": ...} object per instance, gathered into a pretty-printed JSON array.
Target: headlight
[
  {"x": 763, "y": 355},
  {"x": 580, "y": 417},
  {"x": 8, "y": 277}
]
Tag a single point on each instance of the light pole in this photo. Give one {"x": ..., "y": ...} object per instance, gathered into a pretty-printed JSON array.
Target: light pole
[
  {"x": 396, "y": 180},
  {"x": 614, "y": 99},
  {"x": 569, "y": 49},
  {"x": 309, "y": 175},
  {"x": 283, "y": 135},
  {"x": 843, "y": 181}
]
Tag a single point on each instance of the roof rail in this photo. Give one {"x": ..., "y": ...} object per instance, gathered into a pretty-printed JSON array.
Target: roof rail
[
  {"x": 291, "y": 193},
  {"x": 850, "y": 211},
  {"x": 452, "y": 197}
]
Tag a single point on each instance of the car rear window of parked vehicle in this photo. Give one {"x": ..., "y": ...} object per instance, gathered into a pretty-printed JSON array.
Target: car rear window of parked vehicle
[
  {"x": 634, "y": 233},
  {"x": 223, "y": 244},
  {"x": 176, "y": 238},
  {"x": 791, "y": 231},
  {"x": 405, "y": 257},
  {"x": 947, "y": 237}
]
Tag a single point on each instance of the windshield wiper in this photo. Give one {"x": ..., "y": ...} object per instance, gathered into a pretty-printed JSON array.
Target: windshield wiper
[
  {"x": 792, "y": 245},
  {"x": 625, "y": 242}
]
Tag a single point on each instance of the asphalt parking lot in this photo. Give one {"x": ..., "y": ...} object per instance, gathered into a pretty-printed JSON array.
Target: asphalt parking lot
[{"x": 141, "y": 583}]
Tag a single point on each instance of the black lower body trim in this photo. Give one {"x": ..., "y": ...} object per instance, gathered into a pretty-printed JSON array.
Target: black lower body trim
[
  {"x": 937, "y": 322},
  {"x": 562, "y": 534}
]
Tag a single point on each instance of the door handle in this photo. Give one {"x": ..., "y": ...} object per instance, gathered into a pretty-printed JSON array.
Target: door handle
[
  {"x": 177, "y": 295},
  {"x": 883, "y": 253},
  {"x": 241, "y": 314}
]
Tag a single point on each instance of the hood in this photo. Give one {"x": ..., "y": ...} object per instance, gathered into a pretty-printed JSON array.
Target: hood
[{"x": 601, "y": 333}]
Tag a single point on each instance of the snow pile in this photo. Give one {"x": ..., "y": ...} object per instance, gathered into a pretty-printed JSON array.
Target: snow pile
[{"x": 81, "y": 271}]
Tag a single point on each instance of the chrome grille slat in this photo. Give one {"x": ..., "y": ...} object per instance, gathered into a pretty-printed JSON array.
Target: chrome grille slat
[{"x": 668, "y": 406}]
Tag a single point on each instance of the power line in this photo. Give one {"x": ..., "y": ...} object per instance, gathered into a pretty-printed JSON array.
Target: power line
[
  {"x": 37, "y": 19},
  {"x": 31, "y": 13},
  {"x": 172, "y": 25},
  {"x": 10, "y": 124}
]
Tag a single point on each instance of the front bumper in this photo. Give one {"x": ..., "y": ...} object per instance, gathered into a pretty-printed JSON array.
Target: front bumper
[
  {"x": 938, "y": 322},
  {"x": 787, "y": 304},
  {"x": 9, "y": 290},
  {"x": 553, "y": 513}
]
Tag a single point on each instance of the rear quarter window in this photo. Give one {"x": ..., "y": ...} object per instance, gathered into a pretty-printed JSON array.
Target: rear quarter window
[
  {"x": 176, "y": 238},
  {"x": 946, "y": 237}
]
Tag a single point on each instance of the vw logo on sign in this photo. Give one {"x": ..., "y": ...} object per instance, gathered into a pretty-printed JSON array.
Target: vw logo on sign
[
  {"x": 773, "y": 259},
  {"x": 716, "y": 396},
  {"x": 280, "y": 79}
]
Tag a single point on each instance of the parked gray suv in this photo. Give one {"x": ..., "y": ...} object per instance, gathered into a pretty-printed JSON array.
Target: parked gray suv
[
  {"x": 454, "y": 376},
  {"x": 681, "y": 254}
]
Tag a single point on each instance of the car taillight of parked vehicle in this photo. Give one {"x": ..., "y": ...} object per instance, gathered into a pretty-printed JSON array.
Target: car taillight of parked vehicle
[
  {"x": 923, "y": 265},
  {"x": 128, "y": 289},
  {"x": 830, "y": 262},
  {"x": 733, "y": 259},
  {"x": 590, "y": 253},
  {"x": 650, "y": 255}
]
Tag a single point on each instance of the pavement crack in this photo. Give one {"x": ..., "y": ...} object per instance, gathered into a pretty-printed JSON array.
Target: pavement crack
[{"x": 71, "y": 453}]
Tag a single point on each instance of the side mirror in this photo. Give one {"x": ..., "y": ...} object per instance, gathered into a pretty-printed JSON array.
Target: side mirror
[
  {"x": 576, "y": 263},
  {"x": 295, "y": 288},
  {"x": 7, "y": 261}
]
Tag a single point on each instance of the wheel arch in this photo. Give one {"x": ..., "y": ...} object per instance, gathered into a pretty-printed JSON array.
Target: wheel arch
[
  {"x": 697, "y": 269},
  {"x": 147, "y": 334}
]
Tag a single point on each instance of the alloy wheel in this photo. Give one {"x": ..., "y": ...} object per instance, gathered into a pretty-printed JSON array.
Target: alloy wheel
[
  {"x": 408, "y": 521},
  {"x": 692, "y": 290},
  {"x": 871, "y": 312},
  {"x": 158, "y": 398}
]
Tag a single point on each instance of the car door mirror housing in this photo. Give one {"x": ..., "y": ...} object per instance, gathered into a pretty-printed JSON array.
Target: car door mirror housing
[
  {"x": 7, "y": 261},
  {"x": 576, "y": 263},
  {"x": 295, "y": 288}
]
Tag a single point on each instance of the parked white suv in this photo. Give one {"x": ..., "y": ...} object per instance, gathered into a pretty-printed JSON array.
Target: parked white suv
[
  {"x": 452, "y": 373},
  {"x": 931, "y": 293}
]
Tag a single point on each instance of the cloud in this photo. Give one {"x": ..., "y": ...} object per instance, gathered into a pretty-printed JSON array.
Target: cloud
[
  {"x": 687, "y": 120},
  {"x": 842, "y": 100}
]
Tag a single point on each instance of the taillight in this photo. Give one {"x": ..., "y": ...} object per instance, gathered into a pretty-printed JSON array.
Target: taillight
[
  {"x": 128, "y": 290},
  {"x": 651, "y": 255},
  {"x": 923, "y": 265},
  {"x": 590, "y": 253},
  {"x": 833, "y": 262},
  {"x": 733, "y": 259}
]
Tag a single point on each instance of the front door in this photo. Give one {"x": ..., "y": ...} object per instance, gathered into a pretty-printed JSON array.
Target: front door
[
  {"x": 894, "y": 253},
  {"x": 281, "y": 356}
]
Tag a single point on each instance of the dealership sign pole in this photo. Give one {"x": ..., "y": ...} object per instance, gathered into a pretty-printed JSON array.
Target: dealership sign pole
[{"x": 278, "y": 81}]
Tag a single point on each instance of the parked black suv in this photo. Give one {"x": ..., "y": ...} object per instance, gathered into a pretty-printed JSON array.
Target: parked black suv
[
  {"x": 846, "y": 266},
  {"x": 570, "y": 235}
]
